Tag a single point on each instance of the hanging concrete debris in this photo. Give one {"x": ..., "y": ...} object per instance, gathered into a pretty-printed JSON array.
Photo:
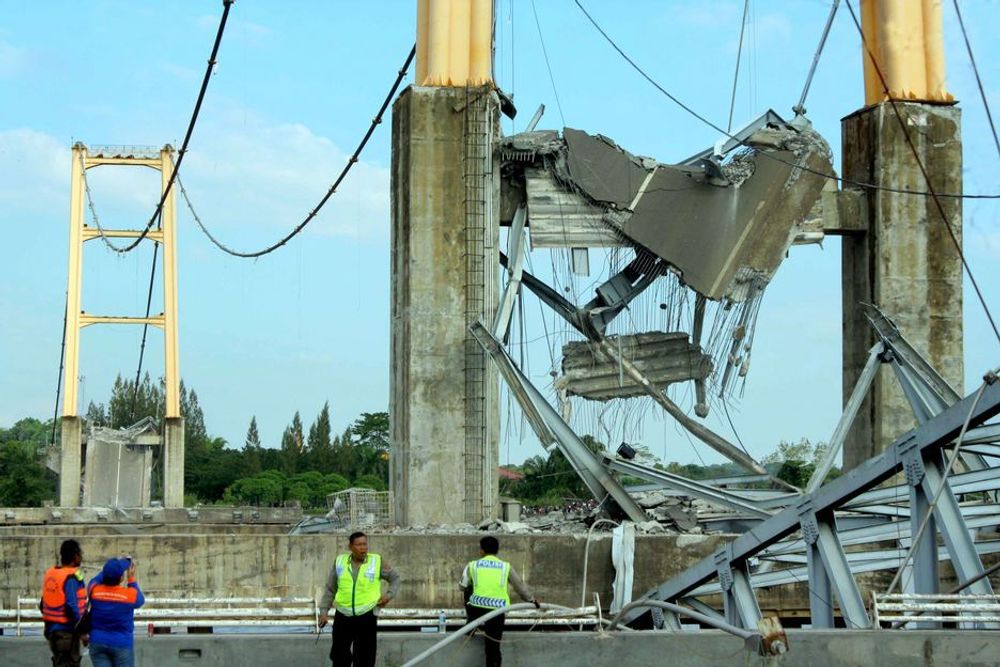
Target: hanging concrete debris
[
  {"x": 724, "y": 226},
  {"x": 662, "y": 357}
]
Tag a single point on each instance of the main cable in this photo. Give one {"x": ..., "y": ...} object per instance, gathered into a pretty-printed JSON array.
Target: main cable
[
  {"x": 923, "y": 170},
  {"x": 743, "y": 142},
  {"x": 329, "y": 193},
  {"x": 227, "y": 4},
  {"x": 979, "y": 82}
]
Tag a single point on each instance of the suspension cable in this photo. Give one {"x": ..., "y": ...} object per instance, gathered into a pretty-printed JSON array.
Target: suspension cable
[
  {"x": 739, "y": 57},
  {"x": 935, "y": 196},
  {"x": 770, "y": 156},
  {"x": 145, "y": 330},
  {"x": 62, "y": 363},
  {"x": 923, "y": 170},
  {"x": 979, "y": 82},
  {"x": 329, "y": 193},
  {"x": 227, "y": 4}
]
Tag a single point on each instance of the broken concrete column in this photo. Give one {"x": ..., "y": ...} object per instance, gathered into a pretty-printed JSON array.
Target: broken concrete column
[
  {"x": 443, "y": 390},
  {"x": 69, "y": 462},
  {"x": 904, "y": 260}
]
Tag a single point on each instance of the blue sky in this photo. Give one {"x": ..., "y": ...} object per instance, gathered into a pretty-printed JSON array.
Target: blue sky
[{"x": 295, "y": 87}]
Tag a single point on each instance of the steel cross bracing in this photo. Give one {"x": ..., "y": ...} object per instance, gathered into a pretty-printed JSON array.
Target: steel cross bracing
[
  {"x": 918, "y": 453},
  {"x": 592, "y": 319},
  {"x": 552, "y": 429}
]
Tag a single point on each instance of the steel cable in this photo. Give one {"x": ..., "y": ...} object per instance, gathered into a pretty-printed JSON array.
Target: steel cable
[
  {"x": 923, "y": 170},
  {"x": 743, "y": 142},
  {"x": 227, "y": 4},
  {"x": 329, "y": 193}
]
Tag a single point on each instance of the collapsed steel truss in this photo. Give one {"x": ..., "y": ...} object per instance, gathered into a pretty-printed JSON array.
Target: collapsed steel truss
[{"x": 791, "y": 535}]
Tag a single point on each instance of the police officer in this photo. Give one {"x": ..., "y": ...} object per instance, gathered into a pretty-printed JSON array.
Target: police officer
[
  {"x": 484, "y": 582},
  {"x": 355, "y": 589},
  {"x": 64, "y": 599}
]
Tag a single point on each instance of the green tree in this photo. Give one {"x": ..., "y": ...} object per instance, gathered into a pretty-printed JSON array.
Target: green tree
[
  {"x": 320, "y": 454},
  {"x": 266, "y": 489},
  {"x": 129, "y": 404},
  {"x": 796, "y": 461},
  {"x": 551, "y": 480},
  {"x": 370, "y": 482},
  {"x": 370, "y": 442},
  {"x": 96, "y": 414},
  {"x": 291, "y": 446},
  {"x": 24, "y": 479},
  {"x": 251, "y": 450}
]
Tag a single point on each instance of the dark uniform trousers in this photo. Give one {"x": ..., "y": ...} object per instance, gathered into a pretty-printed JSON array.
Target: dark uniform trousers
[
  {"x": 65, "y": 648},
  {"x": 494, "y": 633},
  {"x": 355, "y": 640}
]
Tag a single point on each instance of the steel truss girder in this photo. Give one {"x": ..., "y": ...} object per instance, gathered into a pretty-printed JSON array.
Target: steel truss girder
[
  {"x": 926, "y": 391},
  {"x": 860, "y": 561},
  {"x": 829, "y": 571},
  {"x": 927, "y": 439},
  {"x": 550, "y": 428},
  {"x": 706, "y": 492},
  {"x": 738, "y": 598},
  {"x": 934, "y": 490}
]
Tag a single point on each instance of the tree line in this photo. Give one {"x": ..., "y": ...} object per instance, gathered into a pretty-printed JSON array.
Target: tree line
[
  {"x": 305, "y": 466},
  {"x": 310, "y": 463}
]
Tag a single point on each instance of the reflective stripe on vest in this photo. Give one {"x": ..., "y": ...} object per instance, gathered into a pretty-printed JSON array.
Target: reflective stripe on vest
[
  {"x": 361, "y": 595},
  {"x": 489, "y": 582},
  {"x": 54, "y": 594}
]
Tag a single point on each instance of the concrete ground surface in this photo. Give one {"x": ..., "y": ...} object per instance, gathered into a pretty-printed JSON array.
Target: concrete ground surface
[{"x": 811, "y": 648}]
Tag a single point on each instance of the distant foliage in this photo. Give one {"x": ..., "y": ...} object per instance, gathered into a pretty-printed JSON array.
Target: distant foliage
[
  {"x": 24, "y": 479},
  {"x": 300, "y": 468}
]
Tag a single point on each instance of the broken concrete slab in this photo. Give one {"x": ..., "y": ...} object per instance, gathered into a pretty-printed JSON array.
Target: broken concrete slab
[
  {"x": 663, "y": 358},
  {"x": 722, "y": 229}
]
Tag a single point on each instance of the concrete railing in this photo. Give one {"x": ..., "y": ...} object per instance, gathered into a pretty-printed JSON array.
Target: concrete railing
[
  {"x": 898, "y": 609},
  {"x": 160, "y": 614}
]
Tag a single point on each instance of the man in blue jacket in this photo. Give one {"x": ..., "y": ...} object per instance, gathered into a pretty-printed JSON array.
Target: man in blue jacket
[{"x": 112, "y": 614}]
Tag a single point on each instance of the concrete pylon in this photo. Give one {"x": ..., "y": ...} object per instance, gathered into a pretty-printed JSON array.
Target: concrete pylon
[
  {"x": 70, "y": 460},
  {"x": 173, "y": 462},
  {"x": 904, "y": 261},
  {"x": 443, "y": 389}
]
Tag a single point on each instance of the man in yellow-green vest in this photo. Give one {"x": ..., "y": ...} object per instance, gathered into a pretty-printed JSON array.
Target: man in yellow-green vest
[
  {"x": 354, "y": 588},
  {"x": 484, "y": 582}
]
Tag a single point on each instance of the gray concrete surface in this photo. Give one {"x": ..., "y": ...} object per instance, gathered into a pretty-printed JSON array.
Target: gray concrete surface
[
  {"x": 430, "y": 315},
  {"x": 905, "y": 263},
  {"x": 173, "y": 462},
  {"x": 220, "y": 564},
  {"x": 70, "y": 461},
  {"x": 808, "y": 648}
]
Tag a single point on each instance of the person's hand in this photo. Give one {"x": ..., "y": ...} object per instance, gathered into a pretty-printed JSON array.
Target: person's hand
[
  {"x": 323, "y": 619},
  {"x": 131, "y": 570},
  {"x": 384, "y": 600},
  {"x": 534, "y": 601}
]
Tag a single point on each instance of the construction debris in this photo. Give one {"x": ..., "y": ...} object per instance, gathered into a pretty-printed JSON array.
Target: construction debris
[{"x": 662, "y": 357}]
